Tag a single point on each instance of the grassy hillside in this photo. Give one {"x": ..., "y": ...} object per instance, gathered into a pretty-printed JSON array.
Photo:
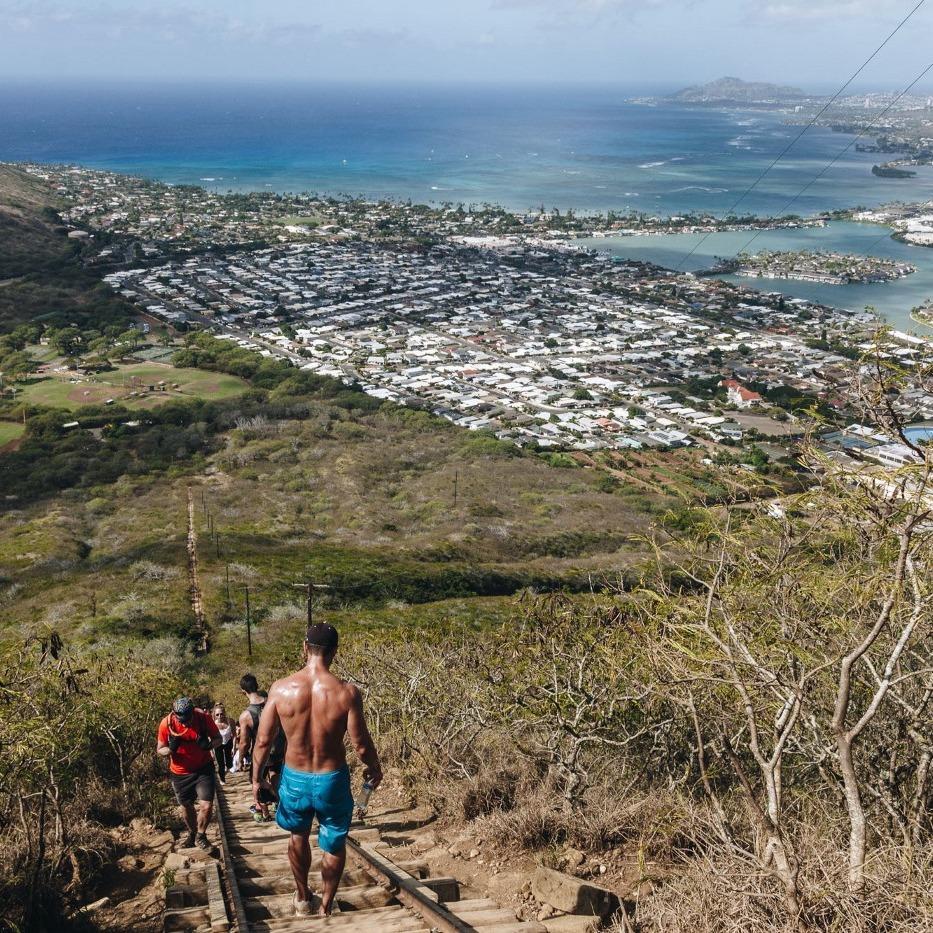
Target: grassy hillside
[
  {"x": 302, "y": 478},
  {"x": 31, "y": 236},
  {"x": 361, "y": 502},
  {"x": 41, "y": 276}
]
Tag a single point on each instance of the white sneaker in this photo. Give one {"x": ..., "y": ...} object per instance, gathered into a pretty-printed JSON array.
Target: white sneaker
[{"x": 302, "y": 908}]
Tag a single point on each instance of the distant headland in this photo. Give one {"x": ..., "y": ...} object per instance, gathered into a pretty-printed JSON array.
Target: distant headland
[{"x": 731, "y": 91}]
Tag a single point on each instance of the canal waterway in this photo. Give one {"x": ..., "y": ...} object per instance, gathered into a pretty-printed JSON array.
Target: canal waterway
[{"x": 893, "y": 300}]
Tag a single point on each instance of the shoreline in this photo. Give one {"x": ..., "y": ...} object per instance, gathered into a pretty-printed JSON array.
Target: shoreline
[{"x": 653, "y": 225}]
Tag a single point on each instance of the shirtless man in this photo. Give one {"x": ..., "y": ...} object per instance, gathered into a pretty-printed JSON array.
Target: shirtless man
[{"x": 316, "y": 710}]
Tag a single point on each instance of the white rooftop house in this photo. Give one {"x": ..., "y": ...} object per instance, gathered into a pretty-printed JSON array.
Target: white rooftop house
[{"x": 893, "y": 455}]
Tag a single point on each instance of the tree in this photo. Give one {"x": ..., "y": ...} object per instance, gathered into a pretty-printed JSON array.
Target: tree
[
  {"x": 16, "y": 365},
  {"x": 67, "y": 340},
  {"x": 801, "y": 651},
  {"x": 572, "y": 691}
]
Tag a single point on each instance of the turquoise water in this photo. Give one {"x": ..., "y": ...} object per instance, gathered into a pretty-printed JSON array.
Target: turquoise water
[
  {"x": 920, "y": 432},
  {"x": 893, "y": 300},
  {"x": 580, "y": 148}
]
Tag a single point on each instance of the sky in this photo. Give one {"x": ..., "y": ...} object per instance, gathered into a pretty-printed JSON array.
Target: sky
[{"x": 814, "y": 44}]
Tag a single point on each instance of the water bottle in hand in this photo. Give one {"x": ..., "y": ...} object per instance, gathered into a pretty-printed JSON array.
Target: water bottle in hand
[{"x": 362, "y": 799}]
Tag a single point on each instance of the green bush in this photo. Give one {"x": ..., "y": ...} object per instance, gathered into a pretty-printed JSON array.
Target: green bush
[{"x": 77, "y": 740}]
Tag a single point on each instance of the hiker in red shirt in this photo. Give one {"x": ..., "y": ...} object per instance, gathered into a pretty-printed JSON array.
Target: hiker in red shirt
[{"x": 187, "y": 737}]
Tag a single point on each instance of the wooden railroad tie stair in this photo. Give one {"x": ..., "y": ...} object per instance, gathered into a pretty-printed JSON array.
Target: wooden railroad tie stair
[{"x": 376, "y": 895}]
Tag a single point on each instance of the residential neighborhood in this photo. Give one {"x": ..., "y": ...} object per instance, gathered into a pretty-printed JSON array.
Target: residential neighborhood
[{"x": 481, "y": 316}]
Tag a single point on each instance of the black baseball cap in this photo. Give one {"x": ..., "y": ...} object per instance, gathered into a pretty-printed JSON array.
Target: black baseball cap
[
  {"x": 321, "y": 635},
  {"x": 183, "y": 708}
]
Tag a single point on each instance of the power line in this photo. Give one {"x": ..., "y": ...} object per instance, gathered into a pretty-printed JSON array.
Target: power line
[
  {"x": 809, "y": 125},
  {"x": 842, "y": 152}
]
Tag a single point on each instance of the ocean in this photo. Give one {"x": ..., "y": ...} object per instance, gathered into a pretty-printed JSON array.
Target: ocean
[
  {"x": 581, "y": 148},
  {"x": 586, "y": 149}
]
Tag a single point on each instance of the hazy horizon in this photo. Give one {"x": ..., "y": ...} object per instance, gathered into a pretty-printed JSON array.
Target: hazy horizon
[
  {"x": 814, "y": 45},
  {"x": 632, "y": 88}
]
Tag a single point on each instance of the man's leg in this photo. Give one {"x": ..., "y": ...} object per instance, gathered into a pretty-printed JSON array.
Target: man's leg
[
  {"x": 331, "y": 873},
  {"x": 205, "y": 810},
  {"x": 191, "y": 821},
  {"x": 299, "y": 858}
]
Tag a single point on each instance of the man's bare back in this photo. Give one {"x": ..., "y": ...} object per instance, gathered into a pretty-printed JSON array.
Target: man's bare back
[{"x": 316, "y": 710}]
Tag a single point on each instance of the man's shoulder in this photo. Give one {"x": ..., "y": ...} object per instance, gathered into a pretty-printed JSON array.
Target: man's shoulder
[
  {"x": 348, "y": 692},
  {"x": 288, "y": 684}
]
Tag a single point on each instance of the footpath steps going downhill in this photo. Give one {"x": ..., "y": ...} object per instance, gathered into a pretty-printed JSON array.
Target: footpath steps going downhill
[{"x": 248, "y": 888}]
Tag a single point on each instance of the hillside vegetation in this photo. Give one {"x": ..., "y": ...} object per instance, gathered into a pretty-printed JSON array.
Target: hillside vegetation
[
  {"x": 360, "y": 498},
  {"x": 41, "y": 276}
]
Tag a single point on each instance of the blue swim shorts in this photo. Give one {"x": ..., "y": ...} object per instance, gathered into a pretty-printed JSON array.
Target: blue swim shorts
[{"x": 304, "y": 795}]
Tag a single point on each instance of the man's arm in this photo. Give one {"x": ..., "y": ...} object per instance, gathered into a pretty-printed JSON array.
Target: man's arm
[
  {"x": 213, "y": 733},
  {"x": 362, "y": 741},
  {"x": 246, "y": 727},
  {"x": 269, "y": 725},
  {"x": 162, "y": 747}
]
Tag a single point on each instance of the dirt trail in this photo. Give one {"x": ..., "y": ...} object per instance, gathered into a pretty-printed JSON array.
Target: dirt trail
[{"x": 194, "y": 581}]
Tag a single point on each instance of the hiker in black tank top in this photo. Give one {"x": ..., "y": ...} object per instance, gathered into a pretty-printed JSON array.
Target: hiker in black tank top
[{"x": 249, "y": 726}]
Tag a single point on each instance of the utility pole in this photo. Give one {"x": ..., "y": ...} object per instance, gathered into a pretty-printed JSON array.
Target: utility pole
[
  {"x": 227, "y": 575},
  {"x": 309, "y": 587},
  {"x": 249, "y": 631},
  {"x": 456, "y": 483}
]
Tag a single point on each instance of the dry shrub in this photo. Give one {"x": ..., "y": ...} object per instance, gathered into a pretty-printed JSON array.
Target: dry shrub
[
  {"x": 714, "y": 890},
  {"x": 77, "y": 757},
  {"x": 712, "y": 894},
  {"x": 495, "y": 789},
  {"x": 606, "y": 818},
  {"x": 497, "y": 781},
  {"x": 150, "y": 571},
  {"x": 285, "y": 613}
]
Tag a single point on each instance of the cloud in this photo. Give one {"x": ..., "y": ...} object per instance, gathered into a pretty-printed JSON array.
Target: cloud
[
  {"x": 564, "y": 8},
  {"x": 159, "y": 22},
  {"x": 586, "y": 14},
  {"x": 375, "y": 37},
  {"x": 799, "y": 11}
]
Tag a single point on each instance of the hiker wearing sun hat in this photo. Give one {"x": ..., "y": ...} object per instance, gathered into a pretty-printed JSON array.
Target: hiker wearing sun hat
[{"x": 187, "y": 737}]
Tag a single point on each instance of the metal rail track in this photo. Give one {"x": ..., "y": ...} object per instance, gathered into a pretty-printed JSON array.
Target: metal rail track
[{"x": 376, "y": 894}]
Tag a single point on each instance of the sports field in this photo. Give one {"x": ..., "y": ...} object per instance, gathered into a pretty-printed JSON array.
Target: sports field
[
  {"x": 9, "y": 431},
  {"x": 141, "y": 385}
]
